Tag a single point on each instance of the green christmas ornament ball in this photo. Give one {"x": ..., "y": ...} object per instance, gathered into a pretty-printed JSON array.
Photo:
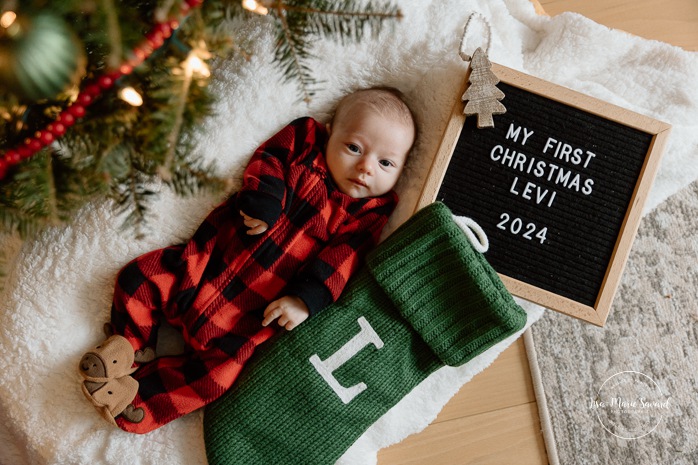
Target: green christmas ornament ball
[{"x": 39, "y": 56}]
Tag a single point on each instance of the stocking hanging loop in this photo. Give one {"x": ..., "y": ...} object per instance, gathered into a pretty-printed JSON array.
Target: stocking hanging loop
[
  {"x": 474, "y": 232},
  {"x": 468, "y": 28}
]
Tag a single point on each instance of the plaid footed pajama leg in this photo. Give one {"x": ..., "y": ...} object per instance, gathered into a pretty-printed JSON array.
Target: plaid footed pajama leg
[
  {"x": 142, "y": 287},
  {"x": 170, "y": 387},
  {"x": 147, "y": 291},
  {"x": 213, "y": 290}
]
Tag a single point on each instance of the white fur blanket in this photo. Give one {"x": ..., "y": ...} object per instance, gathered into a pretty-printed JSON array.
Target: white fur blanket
[{"x": 59, "y": 287}]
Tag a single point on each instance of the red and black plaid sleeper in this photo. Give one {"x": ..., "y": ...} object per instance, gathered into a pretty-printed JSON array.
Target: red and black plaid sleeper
[{"x": 215, "y": 287}]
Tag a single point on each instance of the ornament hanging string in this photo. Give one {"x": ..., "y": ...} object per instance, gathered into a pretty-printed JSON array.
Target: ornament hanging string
[
  {"x": 154, "y": 39},
  {"x": 467, "y": 28}
]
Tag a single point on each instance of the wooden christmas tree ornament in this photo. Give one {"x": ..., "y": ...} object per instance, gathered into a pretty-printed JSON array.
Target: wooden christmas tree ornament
[{"x": 482, "y": 95}]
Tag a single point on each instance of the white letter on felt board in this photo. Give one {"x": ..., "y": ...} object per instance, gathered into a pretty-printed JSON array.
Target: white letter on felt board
[
  {"x": 527, "y": 134},
  {"x": 326, "y": 367},
  {"x": 513, "y": 134}
]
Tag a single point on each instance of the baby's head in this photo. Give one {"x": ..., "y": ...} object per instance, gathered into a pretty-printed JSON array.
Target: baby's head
[{"x": 371, "y": 133}]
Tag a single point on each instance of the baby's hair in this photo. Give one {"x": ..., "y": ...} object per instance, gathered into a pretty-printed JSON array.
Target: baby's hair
[{"x": 388, "y": 101}]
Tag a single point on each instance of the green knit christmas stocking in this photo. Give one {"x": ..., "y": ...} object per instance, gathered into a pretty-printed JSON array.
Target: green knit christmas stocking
[{"x": 425, "y": 299}]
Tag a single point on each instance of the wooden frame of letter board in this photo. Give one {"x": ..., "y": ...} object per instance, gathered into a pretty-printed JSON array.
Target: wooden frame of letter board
[{"x": 598, "y": 313}]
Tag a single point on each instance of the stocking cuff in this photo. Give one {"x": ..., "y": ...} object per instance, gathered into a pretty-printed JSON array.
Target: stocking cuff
[{"x": 445, "y": 289}]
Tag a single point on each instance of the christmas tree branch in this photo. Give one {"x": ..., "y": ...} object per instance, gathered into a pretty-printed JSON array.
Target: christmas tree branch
[
  {"x": 25, "y": 201},
  {"x": 191, "y": 177},
  {"x": 345, "y": 13},
  {"x": 291, "y": 52},
  {"x": 50, "y": 201},
  {"x": 132, "y": 197},
  {"x": 342, "y": 19},
  {"x": 113, "y": 33},
  {"x": 14, "y": 220},
  {"x": 163, "y": 11},
  {"x": 165, "y": 170}
]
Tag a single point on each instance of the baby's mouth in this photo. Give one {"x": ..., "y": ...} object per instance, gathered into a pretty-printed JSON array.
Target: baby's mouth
[{"x": 358, "y": 182}]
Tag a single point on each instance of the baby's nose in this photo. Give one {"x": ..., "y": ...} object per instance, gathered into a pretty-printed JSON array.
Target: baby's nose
[{"x": 365, "y": 165}]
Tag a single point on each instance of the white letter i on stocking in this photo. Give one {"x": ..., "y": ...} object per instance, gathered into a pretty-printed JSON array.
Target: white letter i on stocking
[{"x": 366, "y": 336}]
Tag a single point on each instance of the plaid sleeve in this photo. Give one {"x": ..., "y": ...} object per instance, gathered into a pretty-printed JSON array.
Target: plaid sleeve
[
  {"x": 264, "y": 182},
  {"x": 323, "y": 279}
]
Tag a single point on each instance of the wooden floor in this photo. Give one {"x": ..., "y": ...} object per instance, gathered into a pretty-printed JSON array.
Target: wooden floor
[
  {"x": 671, "y": 21},
  {"x": 494, "y": 418}
]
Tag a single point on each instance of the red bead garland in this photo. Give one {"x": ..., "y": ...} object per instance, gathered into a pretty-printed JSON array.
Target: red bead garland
[{"x": 154, "y": 39}]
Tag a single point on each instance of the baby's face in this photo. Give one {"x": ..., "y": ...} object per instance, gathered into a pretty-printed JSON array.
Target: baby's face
[{"x": 367, "y": 151}]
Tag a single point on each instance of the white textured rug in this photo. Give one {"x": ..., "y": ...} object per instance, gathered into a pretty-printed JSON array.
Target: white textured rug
[
  {"x": 59, "y": 288},
  {"x": 652, "y": 332}
]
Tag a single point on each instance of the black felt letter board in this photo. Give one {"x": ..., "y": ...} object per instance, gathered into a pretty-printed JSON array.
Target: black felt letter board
[{"x": 550, "y": 184}]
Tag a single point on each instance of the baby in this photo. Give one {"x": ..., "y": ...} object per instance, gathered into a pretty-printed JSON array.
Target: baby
[{"x": 314, "y": 200}]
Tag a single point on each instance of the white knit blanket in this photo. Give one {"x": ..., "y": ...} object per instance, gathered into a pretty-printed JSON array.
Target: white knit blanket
[{"x": 59, "y": 287}]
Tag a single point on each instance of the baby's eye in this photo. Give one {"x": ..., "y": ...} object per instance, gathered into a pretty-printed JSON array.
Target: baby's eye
[
  {"x": 354, "y": 148},
  {"x": 386, "y": 163}
]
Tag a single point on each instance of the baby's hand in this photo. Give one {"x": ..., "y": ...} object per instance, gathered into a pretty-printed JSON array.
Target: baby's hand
[
  {"x": 256, "y": 226},
  {"x": 290, "y": 310}
]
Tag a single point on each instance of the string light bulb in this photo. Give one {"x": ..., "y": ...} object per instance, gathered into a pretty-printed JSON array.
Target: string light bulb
[
  {"x": 8, "y": 22},
  {"x": 131, "y": 96},
  {"x": 7, "y": 19},
  {"x": 194, "y": 64},
  {"x": 254, "y": 6}
]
